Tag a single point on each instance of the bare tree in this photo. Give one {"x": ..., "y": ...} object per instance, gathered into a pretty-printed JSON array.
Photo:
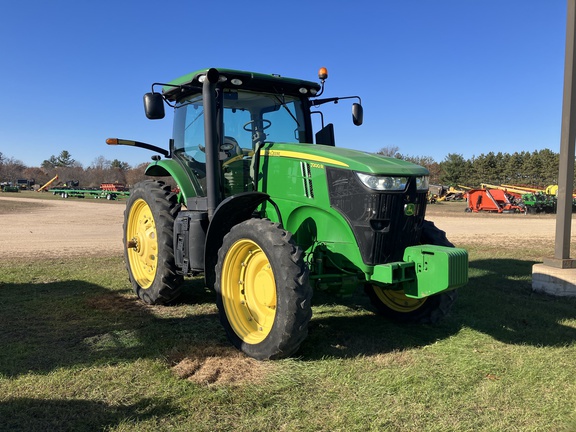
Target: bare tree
[
  {"x": 389, "y": 151},
  {"x": 136, "y": 174},
  {"x": 11, "y": 169},
  {"x": 100, "y": 163}
]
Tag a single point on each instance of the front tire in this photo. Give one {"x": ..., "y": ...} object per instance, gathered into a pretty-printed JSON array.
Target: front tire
[
  {"x": 148, "y": 242},
  {"x": 396, "y": 305},
  {"x": 263, "y": 294}
]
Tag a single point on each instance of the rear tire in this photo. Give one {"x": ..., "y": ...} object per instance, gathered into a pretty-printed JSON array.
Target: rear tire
[
  {"x": 148, "y": 242},
  {"x": 262, "y": 289},
  {"x": 395, "y": 305}
]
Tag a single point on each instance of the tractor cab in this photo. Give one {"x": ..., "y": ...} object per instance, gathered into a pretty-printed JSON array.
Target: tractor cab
[
  {"x": 246, "y": 120},
  {"x": 223, "y": 118}
]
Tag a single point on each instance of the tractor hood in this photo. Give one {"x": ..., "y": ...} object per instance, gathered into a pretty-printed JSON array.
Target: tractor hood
[{"x": 344, "y": 158}]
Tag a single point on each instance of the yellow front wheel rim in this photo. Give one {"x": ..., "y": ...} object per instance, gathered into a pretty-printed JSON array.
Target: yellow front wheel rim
[
  {"x": 142, "y": 243},
  {"x": 397, "y": 300},
  {"x": 248, "y": 291}
]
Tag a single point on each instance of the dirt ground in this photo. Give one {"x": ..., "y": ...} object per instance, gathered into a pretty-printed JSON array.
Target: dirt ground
[
  {"x": 72, "y": 227},
  {"x": 59, "y": 228}
]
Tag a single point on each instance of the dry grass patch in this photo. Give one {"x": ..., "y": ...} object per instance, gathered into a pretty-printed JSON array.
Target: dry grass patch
[
  {"x": 396, "y": 358},
  {"x": 115, "y": 303},
  {"x": 218, "y": 365}
]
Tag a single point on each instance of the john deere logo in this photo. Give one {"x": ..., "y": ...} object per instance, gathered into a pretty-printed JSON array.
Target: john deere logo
[{"x": 409, "y": 209}]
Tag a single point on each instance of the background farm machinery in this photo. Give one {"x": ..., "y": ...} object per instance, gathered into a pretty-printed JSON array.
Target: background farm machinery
[
  {"x": 512, "y": 199},
  {"x": 110, "y": 191},
  {"x": 494, "y": 200},
  {"x": 438, "y": 193},
  {"x": 17, "y": 185},
  {"x": 500, "y": 198}
]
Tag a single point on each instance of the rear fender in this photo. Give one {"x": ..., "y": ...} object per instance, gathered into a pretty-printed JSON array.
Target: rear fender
[
  {"x": 170, "y": 168},
  {"x": 232, "y": 211}
]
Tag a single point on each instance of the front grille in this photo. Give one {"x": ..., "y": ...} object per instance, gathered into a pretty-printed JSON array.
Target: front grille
[{"x": 381, "y": 228}]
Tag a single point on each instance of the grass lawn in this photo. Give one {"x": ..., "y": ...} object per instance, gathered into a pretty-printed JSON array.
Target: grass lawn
[{"x": 79, "y": 353}]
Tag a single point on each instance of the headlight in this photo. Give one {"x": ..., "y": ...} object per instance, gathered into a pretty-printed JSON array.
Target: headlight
[
  {"x": 383, "y": 183},
  {"x": 422, "y": 183}
]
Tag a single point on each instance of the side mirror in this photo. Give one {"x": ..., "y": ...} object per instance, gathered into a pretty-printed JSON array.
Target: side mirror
[
  {"x": 357, "y": 114},
  {"x": 154, "y": 106}
]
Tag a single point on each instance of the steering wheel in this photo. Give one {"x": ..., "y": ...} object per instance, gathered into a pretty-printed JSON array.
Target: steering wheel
[{"x": 265, "y": 125}]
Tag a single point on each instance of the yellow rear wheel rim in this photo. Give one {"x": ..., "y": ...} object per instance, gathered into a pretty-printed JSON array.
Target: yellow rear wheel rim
[
  {"x": 248, "y": 291},
  {"x": 397, "y": 300},
  {"x": 142, "y": 243}
]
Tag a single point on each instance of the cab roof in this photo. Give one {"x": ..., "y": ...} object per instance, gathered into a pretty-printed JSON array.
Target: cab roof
[{"x": 236, "y": 79}]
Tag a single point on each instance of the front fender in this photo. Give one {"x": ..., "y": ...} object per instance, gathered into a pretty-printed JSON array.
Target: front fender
[
  {"x": 311, "y": 225},
  {"x": 188, "y": 185},
  {"x": 232, "y": 211}
]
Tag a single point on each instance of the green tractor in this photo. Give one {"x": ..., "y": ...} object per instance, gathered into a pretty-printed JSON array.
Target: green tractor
[
  {"x": 539, "y": 202},
  {"x": 267, "y": 216}
]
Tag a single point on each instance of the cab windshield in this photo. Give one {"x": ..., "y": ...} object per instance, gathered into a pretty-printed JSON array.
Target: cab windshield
[{"x": 248, "y": 117}]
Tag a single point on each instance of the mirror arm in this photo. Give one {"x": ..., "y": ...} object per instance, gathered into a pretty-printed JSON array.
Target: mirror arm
[
  {"x": 318, "y": 102},
  {"x": 182, "y": 88}
]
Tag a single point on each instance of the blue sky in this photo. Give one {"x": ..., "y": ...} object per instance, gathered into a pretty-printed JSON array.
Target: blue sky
[{"x": 435, "y": 76}]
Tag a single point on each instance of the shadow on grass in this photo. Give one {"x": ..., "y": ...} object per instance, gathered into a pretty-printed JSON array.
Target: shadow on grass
[
  {"x": 75, "y": 323},
  {"x": 359, "y": 331},
  {"x": 54, "y": 415},
  {"x": 498, "y": 301}
]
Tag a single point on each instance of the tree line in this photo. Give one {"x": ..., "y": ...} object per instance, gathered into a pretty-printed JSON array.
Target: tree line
[
  {"x": 68, "y": 170},
  {"x": 538, "y": 169}
]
